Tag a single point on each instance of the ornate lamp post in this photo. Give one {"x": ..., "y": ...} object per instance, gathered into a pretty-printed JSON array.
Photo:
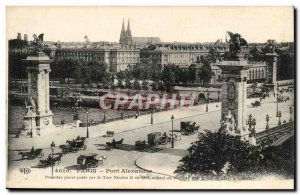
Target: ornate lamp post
[
  {"x": 52, "y": 146},
  {"x": 253, "y": 123},
  {"x": 267, "y": 119},
  {"x": 207, "y": 101},
  {"x": 219, "y": 92},
  {"x": 277, "y": 99},
  {"x": 31, "y": 125},
  {"x": 172, "y": 118},
  {"x": 104, "y": 116},
  {"x": 152, "y": 112},
  {"x": 291, "y": 113},
  {"x": 87, "y": 123},
  {"x": 279, "y": 116}
]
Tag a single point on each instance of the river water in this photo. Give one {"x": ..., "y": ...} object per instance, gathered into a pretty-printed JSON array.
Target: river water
[{"x": 16, "y": 113}]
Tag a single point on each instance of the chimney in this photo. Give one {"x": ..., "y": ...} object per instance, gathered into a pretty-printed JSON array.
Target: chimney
[
  {"x": 19, "y": 37},
  {"x": 25, "y": 37}
]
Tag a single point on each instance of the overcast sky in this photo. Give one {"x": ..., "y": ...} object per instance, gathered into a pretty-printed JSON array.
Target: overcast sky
[{"x": 186, "y": 24}]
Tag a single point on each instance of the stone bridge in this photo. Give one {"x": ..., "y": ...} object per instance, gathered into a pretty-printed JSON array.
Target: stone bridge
[
  {"x": 276, "y": 135},
  {"x": 202, "y": 93}
]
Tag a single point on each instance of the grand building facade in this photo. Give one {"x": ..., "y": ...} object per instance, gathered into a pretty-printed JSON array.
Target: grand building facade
[{"x": 116, "y": 59}]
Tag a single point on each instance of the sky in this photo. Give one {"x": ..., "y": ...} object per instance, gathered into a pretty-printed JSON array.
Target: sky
[{"x": 181, "y": 24}]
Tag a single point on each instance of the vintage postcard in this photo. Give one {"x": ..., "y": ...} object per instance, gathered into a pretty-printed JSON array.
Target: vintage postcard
[{"x": 150, "y": 97}]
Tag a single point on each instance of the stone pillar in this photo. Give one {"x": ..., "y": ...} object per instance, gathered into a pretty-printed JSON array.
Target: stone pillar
[
  {"x": 271, "y": 70},
  {"x": 234, "y": 74},
  {"x": 38, "y": 88}
]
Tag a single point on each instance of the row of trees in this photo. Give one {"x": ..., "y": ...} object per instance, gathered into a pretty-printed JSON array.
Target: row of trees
[
  {"x": 80, "y": 71},
  {"x": 171, "y": 75}
]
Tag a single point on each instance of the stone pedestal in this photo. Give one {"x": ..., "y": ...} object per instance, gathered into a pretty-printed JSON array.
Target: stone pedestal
[
  {"x": 234, "y": 94},
  {"x": 77, "y": 123},
  {"x": 38, "y": 68},
  {"x": 29, "y": 126}
]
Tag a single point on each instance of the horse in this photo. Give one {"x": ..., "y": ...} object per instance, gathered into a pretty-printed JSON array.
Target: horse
[
  {"x": 118, "y": 144},
  {"x": 24, "y": 154}
]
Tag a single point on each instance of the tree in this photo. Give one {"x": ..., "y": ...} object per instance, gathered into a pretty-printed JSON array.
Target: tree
[
  {"x": 128, "y": 83},
  {"x": 17, "y": 69},
  {"x": 191, "y": 73},
  {"x": 136, "y": 85},
  {"x": 169, "y": 76},
  {"x": 145, "y": 85},
  {"x": 205, "y": 72},
  {"x": 211, "y": 152},
  {"x": 68, "y": 69},
  {"x": 255, "y": 55}
]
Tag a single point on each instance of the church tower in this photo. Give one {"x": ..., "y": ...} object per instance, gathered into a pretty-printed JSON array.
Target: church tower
[
  {"x": 123, "y": 35},
  {"x": 128, "y": 33}
]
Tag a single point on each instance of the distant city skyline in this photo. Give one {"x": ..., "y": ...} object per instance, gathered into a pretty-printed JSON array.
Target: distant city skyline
[{"x": 171, "y": 24}]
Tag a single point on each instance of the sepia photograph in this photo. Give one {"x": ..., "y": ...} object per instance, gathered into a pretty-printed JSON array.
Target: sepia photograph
[{"x": 150, "y": 98}]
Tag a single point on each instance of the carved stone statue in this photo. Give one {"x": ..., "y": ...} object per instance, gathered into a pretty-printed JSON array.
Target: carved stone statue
[
  {"x": 30, "y": 106},
  {"x": 37, "y": 44},
  {"x": 228, "y": 124},
  {"x": 235, "y": 45}
]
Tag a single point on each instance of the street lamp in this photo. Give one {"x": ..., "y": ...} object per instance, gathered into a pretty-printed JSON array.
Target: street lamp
[
  {"x": 152, "y": 112},
  {"x": 104, "y": 116},
  {"x": 52, "y": 146},
  {"x": 279, "y": 116},
  {"x": 87, "y": 123},
  {"x": 267, "y": 119},
  {"x": 31, "y": 124},
  {"x": 207, "y": 101},
  {"x": 277, "y": 99},
  {"x": 291, "y": 113},
  {"x": 172, "y": 118}
]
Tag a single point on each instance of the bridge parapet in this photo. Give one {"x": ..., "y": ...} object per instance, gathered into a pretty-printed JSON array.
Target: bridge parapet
[{"x": 270, "y": 136}]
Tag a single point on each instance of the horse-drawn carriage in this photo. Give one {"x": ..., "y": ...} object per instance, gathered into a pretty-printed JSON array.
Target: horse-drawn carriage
[
  {"x": 157, "y": 138},
  {"x": 50, "y": 161},
  {"x": 114, "y": 144},
  {"x": 255, "y": 104},
  {"x": 186, "y": 128},
  {"x": 154, "y": 138},
  {"x": 140, "y": 145},
  {"x": 32, "y": 154},
  {"x": 90, "y": 160},
  {"x": 110, "y": 133},
  {"x": 73, "y": 146}
]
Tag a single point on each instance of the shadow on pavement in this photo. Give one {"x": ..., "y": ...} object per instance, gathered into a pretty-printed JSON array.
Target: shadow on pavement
[{"x": 73, "y": 167}]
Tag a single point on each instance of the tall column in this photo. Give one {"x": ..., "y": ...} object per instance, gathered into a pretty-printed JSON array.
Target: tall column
[
  {"x": 38, "y": 88},
  {"x": 271, "y": 70},
  {"x": 234, "y": 95},
  {"x": 47, "y": 88}
]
